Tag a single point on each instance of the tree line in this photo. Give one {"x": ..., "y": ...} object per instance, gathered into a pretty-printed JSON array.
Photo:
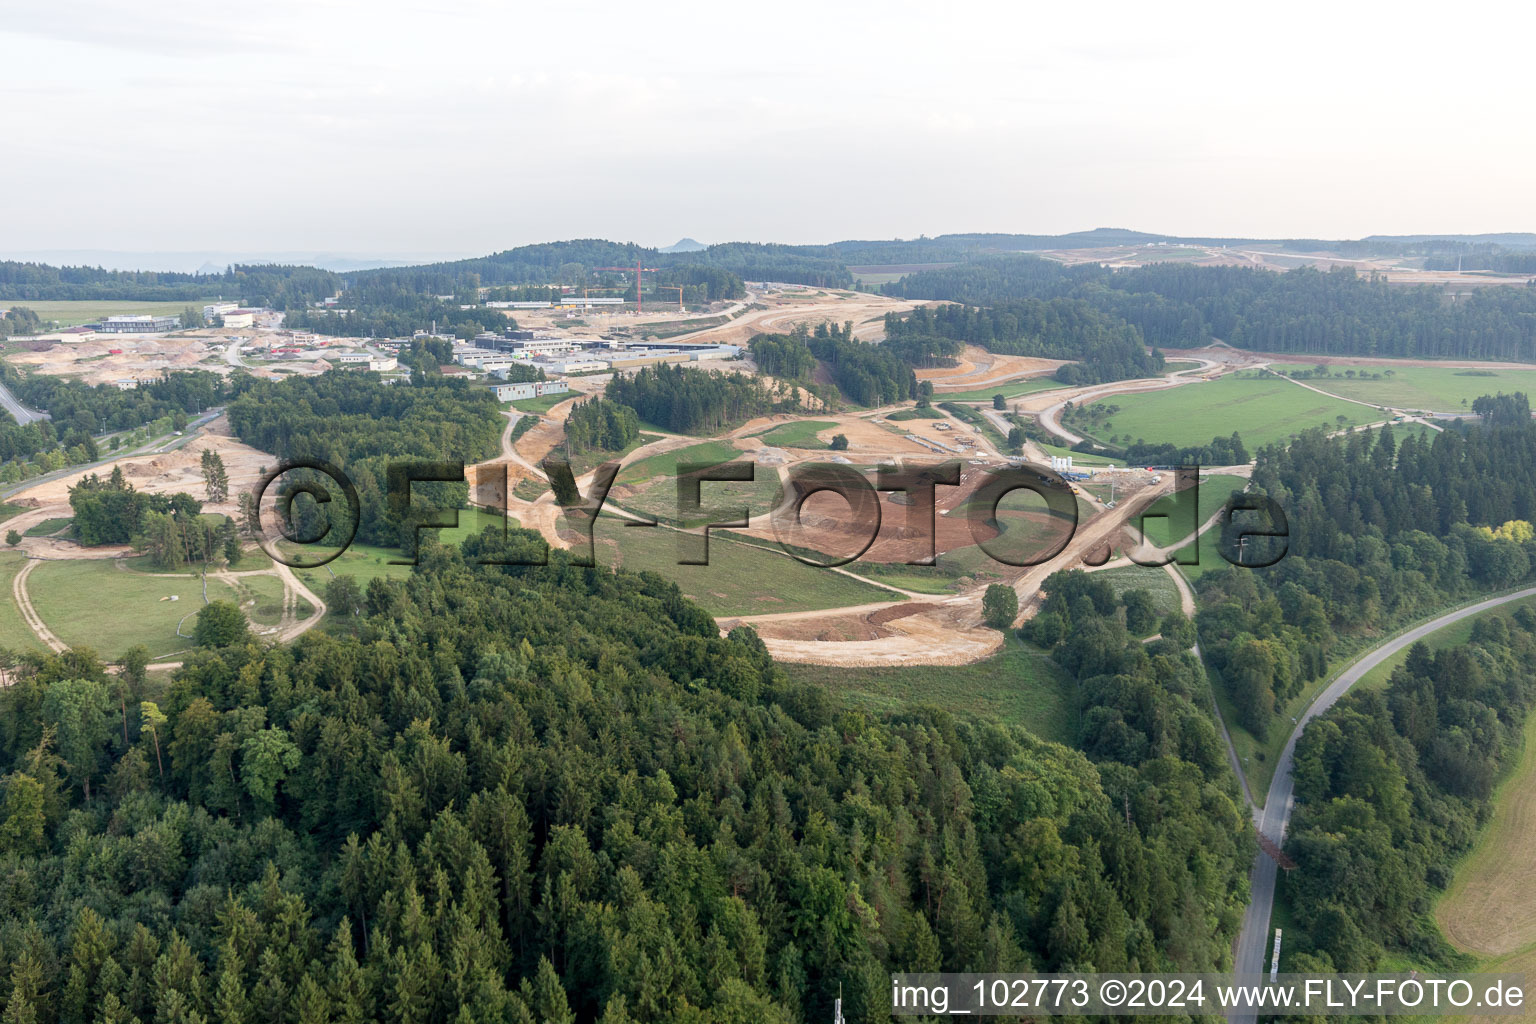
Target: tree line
[
  {"x": 1338, "y": 311},
  {"x": 274, "y": 285}
]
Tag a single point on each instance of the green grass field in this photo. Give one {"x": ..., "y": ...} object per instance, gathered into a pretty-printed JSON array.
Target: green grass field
[
  {"x": 659, "y": 497},
  {"x": 92, "y": 603},
  {"x": 260, "y": 597},
  {"x": 1261, "y": 410},
  {"x": 1165, "y": 593},
  {"x": 361, "y": 561},
  {"x": 740, "y": 579},
  {"x": 1079, "y": 458},
  {"x": 69, "y": 313},
  {"x": 1424, "y": 388},
  {"x": 47, "y": 527},
  {"x": 1214, "y": 491},
  {"x": 665, "y": 464},
  {"x": 1008, "y": 389},
  {"x": 1019, "y": 686},
  {"x": 14, "y": 632},
  {"x": 800, "y": 434},
  {"x": 914, "y": 413}
]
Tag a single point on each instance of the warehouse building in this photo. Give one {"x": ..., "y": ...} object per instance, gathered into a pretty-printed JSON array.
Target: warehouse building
[
  {"x": 528, "y": 389},
  {"x": 139, "y": 324}
]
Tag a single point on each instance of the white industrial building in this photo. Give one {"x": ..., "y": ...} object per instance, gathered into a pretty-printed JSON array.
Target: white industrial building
[
  {"x": 139, "y": 324},
  {"x": 585, "y": 303},
  {"x": 576, "y": 362},
  {"x": 528, "y": 389},
  {"x": 529, "y": 347}
]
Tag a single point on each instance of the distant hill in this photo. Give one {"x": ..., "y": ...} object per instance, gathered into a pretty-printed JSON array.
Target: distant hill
[
  {"x": 685, "y": 245},
  {"x": 1512, "y": 239}
]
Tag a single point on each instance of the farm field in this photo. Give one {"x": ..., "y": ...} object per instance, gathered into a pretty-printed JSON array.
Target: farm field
[
  {"x": 1019, "y": 685},
  {"x": 124, "y": 608},
  {"x": 70, "y": 313},
  {"x": 740, "y": 579},
  {"x": 1261, "y": 410},
  {"x": 1426, "y": 388},
  {"x": 1490, "y": 906}
]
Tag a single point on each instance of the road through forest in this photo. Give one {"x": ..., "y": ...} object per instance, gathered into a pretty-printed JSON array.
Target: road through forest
[{"x": 1275, "y": 816}]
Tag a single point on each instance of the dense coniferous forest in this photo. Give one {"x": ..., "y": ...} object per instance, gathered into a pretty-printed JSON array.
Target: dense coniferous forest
[
  {"x": 598, "y": 425},
  {"x": 355, "y": 421},
  {"x": 865, "y": 374},
  {"x": 1103, "y": 346},
  {"x": 1392, "y": 787},
  {"x": 1381, "y": 532},
  {"x": 690, "y": 400},
  {"x": 784, "y": 355},
  {"x": 1305, "y": 310},
  {"x": 385, "y": 308},
  {"x": 557, "y": 794}
]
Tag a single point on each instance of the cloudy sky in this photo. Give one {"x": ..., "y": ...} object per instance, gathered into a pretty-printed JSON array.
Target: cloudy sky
[{"x": 464, "y": 126}]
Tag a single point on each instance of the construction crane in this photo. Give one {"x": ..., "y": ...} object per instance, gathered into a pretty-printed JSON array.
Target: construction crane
[
  {"x": 638, "y": 269},
  {"x": 673, "y": 288}
]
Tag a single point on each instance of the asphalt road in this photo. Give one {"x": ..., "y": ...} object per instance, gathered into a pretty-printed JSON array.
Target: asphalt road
[
  {"x": 19, "y": 412},
  {"x": 1253, "y": 939},
  {"x": 154, "y": 446}
]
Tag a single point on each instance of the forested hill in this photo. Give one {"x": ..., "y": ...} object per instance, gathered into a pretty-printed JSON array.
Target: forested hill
[
  {"x": 568, "y": 262},
  {"x": 557, "y": 794},
  {"x": 1305, "y": 310},
  {"x": 258, "y": 285}
]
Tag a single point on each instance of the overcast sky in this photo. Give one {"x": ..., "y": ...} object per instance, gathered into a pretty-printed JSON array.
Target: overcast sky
[{"x": 469, "y": 126}]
